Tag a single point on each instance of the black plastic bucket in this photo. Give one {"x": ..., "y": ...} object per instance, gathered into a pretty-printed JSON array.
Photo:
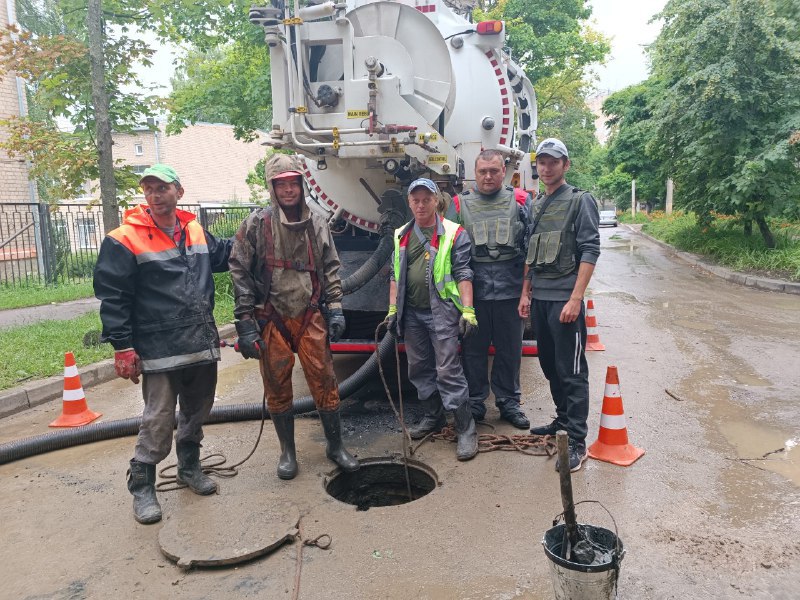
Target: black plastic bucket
[{"x": 575, "y": 581}]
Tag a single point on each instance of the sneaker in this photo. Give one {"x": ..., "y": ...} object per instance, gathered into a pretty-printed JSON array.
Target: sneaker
[
  {"x": 516, "y": 417},
  {"x": 550, "y": 429},
  {"x": 577, "y": 455}
]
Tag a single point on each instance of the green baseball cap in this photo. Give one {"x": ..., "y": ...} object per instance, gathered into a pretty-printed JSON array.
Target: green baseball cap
[{"x": 163, "y": 172}]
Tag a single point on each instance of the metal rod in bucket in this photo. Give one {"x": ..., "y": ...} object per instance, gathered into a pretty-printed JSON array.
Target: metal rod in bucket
[{"x": 567, "y": 501}]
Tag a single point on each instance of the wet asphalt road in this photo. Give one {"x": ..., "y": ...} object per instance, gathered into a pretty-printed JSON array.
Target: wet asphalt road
[{"x": 711, "y": 511}]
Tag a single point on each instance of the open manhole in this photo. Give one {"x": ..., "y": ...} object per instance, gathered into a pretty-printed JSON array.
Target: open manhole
[{"x": 382, "y": 482}]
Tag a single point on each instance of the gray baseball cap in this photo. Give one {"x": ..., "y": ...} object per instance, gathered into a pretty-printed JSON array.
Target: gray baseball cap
[
  {"x": 423, "y": 182},
  {"x": 552, "y": 147}
]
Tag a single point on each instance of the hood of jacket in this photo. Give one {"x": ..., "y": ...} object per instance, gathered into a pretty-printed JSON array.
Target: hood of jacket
[{"x": 280, "y": 163}]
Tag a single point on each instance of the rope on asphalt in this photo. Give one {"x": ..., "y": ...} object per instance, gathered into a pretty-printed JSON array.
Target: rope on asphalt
[
  {"x": 532, "y": 445},
  {"x": 322, "y": 541},
  {"x": 169, "y": 481}
]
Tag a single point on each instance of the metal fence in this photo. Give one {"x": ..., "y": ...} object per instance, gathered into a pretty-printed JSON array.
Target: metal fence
[{"x": 52, "y": 245}]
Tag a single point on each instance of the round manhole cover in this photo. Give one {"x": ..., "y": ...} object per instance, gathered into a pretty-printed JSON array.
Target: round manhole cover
[{"x": 382, "y": 482}]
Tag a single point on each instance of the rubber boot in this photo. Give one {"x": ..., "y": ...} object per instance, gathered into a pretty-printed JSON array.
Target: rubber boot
[
  {"x": 433, "y": 420},
  {"x": 142, "y": 484},
  {"x": 511, "y": 411},
  {"x": 466, "y": 431},
  {"x": 190, "y": 473},
  {"x": 332, "y": 425},
  {"x": 284, "y": 427}
]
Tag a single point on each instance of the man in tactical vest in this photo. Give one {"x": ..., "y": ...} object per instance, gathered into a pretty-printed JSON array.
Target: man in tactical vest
[
  {"x": 497, "y": 225},
  {"x": 430, "y": 305},
  {"x": 562, "y": 251},
  {"x": 285, "y": 269}
]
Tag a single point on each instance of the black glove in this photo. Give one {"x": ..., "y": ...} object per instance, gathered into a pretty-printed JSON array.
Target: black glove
[
  {"x": 391, "y": 323},
  {"x": 250, "y": 343},
  {"x": 336, "y": 324}
]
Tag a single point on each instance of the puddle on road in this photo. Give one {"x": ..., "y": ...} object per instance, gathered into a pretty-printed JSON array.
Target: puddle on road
[{"x": 764, "y": 447}]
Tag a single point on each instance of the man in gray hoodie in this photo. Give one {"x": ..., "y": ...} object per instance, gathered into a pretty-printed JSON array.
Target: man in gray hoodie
[{"x": 562, "y": 252}]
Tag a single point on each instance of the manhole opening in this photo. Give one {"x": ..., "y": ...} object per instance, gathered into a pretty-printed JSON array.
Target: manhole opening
[{"x": 382, "y": 482}]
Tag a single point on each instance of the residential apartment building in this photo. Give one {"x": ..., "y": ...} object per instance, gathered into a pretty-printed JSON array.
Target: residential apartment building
[
  {"x": 211, "y": 163},
  {"x": 14, "y": 184}
]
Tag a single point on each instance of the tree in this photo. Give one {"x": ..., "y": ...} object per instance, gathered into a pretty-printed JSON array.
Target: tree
[
  {"x": 630, "y": 118},
  {"x": 725, "y": 124},
  {"x": 551, "y": 42},
  {"x": 230, "y": 84},
  {"x": 52, "y": 55}
]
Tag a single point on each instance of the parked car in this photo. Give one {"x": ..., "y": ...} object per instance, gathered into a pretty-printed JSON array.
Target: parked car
[{"x": 608, "y": 217}]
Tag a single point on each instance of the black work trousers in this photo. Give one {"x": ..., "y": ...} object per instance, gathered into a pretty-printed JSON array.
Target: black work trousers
[
  {"x": 499, "y": 324},
  {"x": 562, "y": 356}
]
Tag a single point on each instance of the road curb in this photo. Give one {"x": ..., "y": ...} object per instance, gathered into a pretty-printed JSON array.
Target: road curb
[
  {"x": 38, "y": 392},
  {"x": 754, "y": 281}
]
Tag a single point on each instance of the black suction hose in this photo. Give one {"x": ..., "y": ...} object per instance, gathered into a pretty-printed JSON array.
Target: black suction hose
[
  {"x": 97, "y": 432},
  {"x": 367, "y": 271}
]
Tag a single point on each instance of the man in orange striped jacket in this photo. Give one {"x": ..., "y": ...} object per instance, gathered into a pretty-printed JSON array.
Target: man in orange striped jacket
[{"x": 153, "y": 278}]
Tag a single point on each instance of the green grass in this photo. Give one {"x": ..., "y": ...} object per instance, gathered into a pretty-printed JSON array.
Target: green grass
[
  {"x": 35, "y": 351},
  {"x": 38, "y": 295},
  {"x": 625, "y": 217},
  {"x": 726, "y": 243}
]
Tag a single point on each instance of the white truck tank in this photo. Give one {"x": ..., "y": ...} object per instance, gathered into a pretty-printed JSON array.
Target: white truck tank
[{"x": 377, "y": 93}]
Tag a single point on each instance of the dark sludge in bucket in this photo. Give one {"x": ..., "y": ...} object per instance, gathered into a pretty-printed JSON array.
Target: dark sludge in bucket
[
  {"x": 595, "y": 551},
  {"x": 382, "y": 482}
]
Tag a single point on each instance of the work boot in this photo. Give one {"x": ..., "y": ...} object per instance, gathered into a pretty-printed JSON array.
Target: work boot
[
  {"x": 190, "y": 473},
  {"x": 549, "y": 429},
  {"x": 332, "y": 425},
  {"x": 467, "y": 446},
  {"x": 511, "y": 411},
  {"x": 284, "y": 427},
  {"x": 433, "y": 420},
  {"x": 142, "y": 484}
]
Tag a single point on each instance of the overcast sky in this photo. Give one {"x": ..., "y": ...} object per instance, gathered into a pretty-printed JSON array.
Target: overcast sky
[{"x": 625, "y": 21}]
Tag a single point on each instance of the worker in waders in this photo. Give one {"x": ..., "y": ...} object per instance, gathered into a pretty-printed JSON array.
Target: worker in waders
[
  {"x": 153, "y": 280},
  {"x": 430, "y": 305},
  {"x": 285, "y": 272}
]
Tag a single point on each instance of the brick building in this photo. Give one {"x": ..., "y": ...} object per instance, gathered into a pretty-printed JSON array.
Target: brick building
[
  {"x": 212, "y": 164},
  {"x": 14, "y": 184}
]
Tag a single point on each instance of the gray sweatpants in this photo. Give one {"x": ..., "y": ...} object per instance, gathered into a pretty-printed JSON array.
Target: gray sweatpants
[
  {"x": 433, "y": 363},
  {"x": 193, "y": 389}
]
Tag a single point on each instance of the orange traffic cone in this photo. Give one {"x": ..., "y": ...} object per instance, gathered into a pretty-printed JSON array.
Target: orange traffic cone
[
  {"x": 592, "y": 337},
  {"x": 74, "y": 412},
  {"x": 612, "y": 442}
]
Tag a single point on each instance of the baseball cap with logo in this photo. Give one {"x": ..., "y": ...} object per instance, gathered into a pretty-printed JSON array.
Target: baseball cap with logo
[
  {"x": 552, "y": 147},
  {"x": 423, "y": 182},
  {"x": 162, "y": 172}
]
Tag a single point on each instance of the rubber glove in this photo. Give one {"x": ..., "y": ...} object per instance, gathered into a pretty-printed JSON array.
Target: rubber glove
[
  {"x": 336, "y": 324},
  {"x": 250, "y": 343},
  {"x": 391, "y": 319},
  {"x": 468, "y": 323},
  {"x": 127, "y": 364}
]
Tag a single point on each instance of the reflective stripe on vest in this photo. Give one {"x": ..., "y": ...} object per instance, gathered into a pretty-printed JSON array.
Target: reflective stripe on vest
[
  {"x": 443, "y": 281},
  {"x": 167, "y": 363}
]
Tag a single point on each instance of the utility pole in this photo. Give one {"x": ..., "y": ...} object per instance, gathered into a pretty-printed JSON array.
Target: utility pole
[
  {"x": 633, "y": 198},
  {"x": 108, "y": 186},
  {"x": 669, "y": 196}
]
